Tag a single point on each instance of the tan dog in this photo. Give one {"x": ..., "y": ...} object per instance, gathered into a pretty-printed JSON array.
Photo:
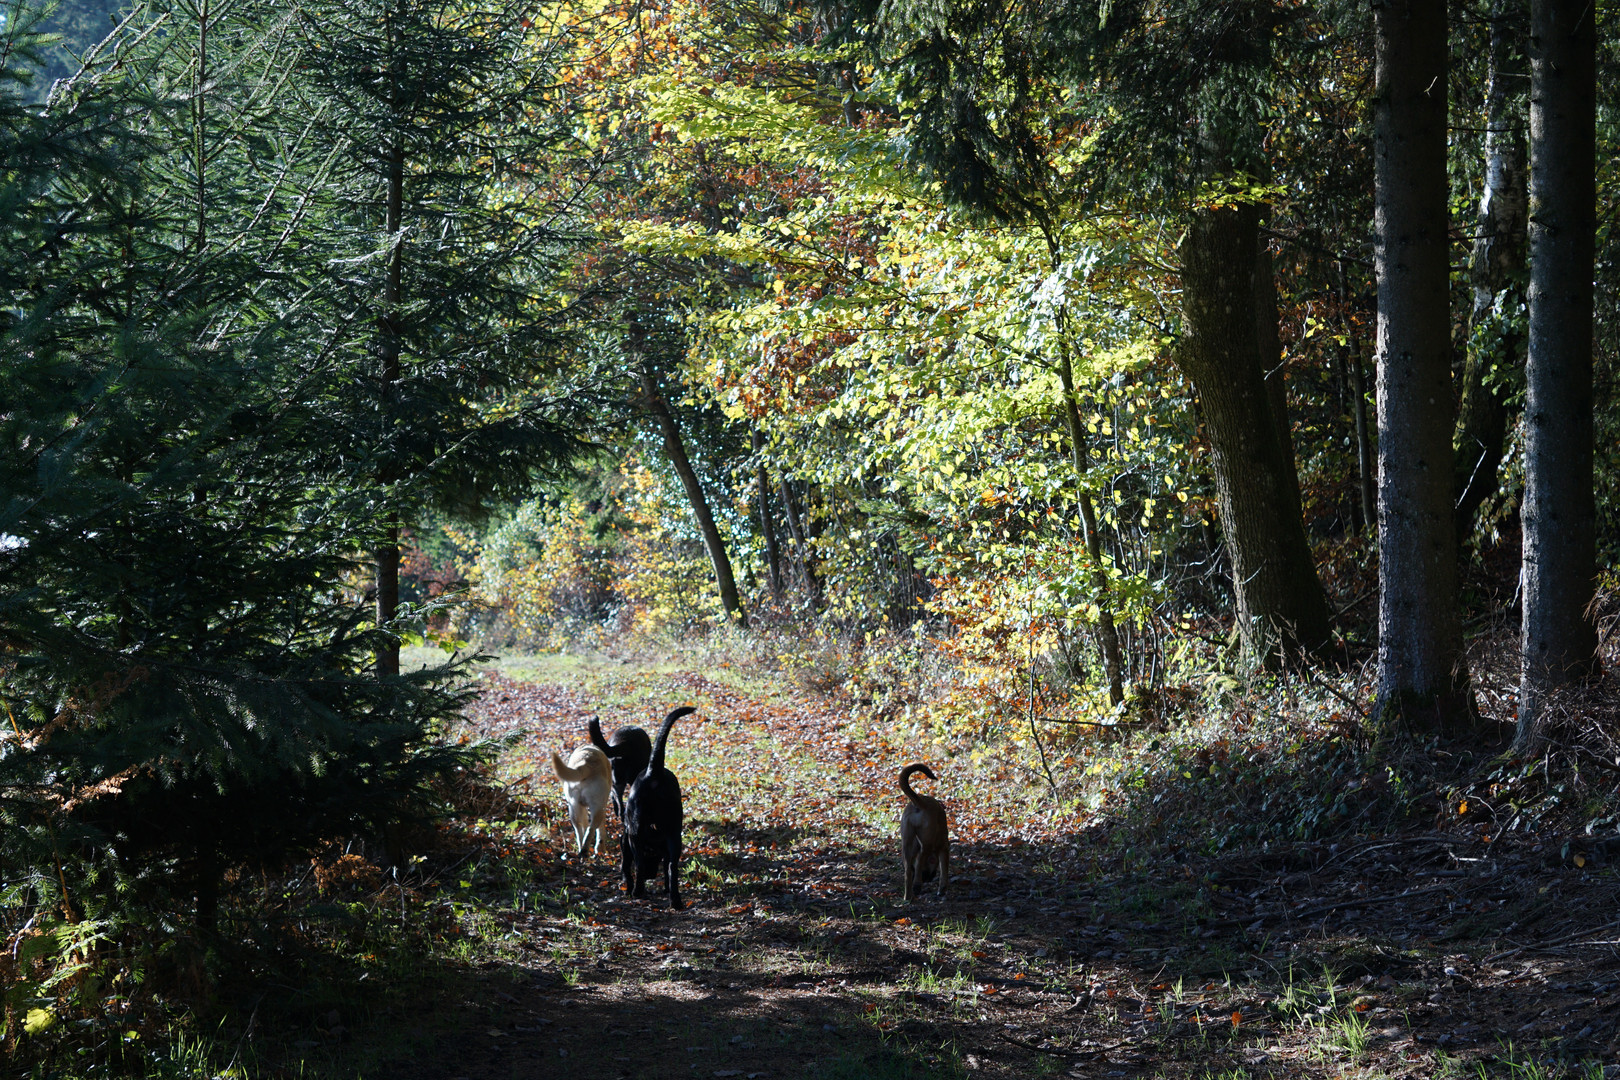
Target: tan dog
[
  {"x": 587, "y": 780},
  {"x": 924, "y": 836}
]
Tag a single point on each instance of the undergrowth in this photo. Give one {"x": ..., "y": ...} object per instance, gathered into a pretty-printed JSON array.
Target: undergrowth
[
  {"x": 304, "y": 954},
  {"x": 308, "y": 954}
]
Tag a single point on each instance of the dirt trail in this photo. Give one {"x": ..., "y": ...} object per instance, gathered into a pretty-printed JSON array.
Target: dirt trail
[{"x": 1047, "y": 956}]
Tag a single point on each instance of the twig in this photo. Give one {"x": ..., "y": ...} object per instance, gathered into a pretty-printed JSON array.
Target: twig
[
  {"x": 247, "y": 1032},
  {"x": 1553, "y": 944},
  {"x": 1052, "y": 1050},
  {"x": 1334, "y": 690},
  {"x": 1323, "y": 909},
  {"x": 1374, "y": 845}
]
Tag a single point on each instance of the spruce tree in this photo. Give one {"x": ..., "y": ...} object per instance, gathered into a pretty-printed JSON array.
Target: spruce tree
[
  {"x": 1422, "y": 669},
  {"x": 1559, "y": 643},
  {"x": 446, "y": 245},
  {"x": 183, "y": 665}
]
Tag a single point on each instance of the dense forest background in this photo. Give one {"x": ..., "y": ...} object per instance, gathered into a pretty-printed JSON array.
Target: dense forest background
[{"x": 1061, "y": 378}]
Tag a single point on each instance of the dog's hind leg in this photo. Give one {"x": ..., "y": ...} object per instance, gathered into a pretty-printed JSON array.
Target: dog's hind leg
[
  {"x": 672, "y": 869},
  {"x": 637, "y": 872},
  {"x": 911, "y": 870},
  {"x": 598, "y": 820},
  {"x": 944, "y": 868},
  {"x": 627, "y": 863},
  {"x": 579, "y": 815}
]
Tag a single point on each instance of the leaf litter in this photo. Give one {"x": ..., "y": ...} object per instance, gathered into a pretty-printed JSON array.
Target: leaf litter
[{"x": 1052, "y": 953}]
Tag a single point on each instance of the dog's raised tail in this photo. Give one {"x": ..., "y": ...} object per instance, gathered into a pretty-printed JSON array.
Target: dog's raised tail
[
  {"x": 595, "y": 728},
  {"x": 905, "y": 779},
  {"x": 657, "y": 761}
]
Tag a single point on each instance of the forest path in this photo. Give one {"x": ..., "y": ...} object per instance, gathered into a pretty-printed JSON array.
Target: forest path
[{"x": 1400, "y": 956}]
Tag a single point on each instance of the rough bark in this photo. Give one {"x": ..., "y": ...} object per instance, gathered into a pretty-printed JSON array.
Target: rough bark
[
  {"x": 1497, "y": 270},
  {"x": 1559, "y": 643},
  {"x": 1269, "y": 343},
  {"x": 1107, "y": 632},
  {"x": 1281, "y": 607},
  {"x": 1422, "y": 675},
  {"x": 675, "y": 449},
  {"x": 767, "y": 527}
]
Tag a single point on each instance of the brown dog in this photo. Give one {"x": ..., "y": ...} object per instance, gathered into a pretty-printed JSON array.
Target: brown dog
[{"x": 924, "y": 837}]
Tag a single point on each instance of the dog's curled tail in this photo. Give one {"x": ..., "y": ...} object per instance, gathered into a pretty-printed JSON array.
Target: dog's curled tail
[
  {"x": 566, "y": 771},
  {"x": 663, "y": 735},
  {"x": 905, "y": 781}
]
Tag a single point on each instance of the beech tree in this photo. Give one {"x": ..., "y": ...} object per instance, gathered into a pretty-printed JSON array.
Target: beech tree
[
  {"x": 1559, "y": 642},
  {"x": 1177, "y": 103},
  {"x": 675, "y": 450}
]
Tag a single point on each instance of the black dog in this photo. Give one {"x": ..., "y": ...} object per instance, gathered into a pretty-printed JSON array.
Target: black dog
[
  {"x": 628, "y": 753},
  {"x": 652, "y": 822}
]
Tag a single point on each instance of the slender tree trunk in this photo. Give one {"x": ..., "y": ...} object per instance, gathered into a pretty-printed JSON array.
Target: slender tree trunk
[
  {"x": 1358, "y": 388},
  {"x": 675, "y": 448},
  {"x": 1281, "y": 607},
  {"x": 846, "y": 83},
  {"x": 801, "y": 543},
  {"x": 388, "y": 332},
  {"x": 1364, "y": 450},
  {"x": 1497, "y": 268},
  {"x": 208, "y": 874},
  {"x": 1350, "y": 515},
  {"x": 199, "y": 114},
  {"x": 1422, "y": 674},
  {"x": 1559, "y": 643},
  {"x": 767, "y": 527},
  {"x": 1107, "y": 632}
]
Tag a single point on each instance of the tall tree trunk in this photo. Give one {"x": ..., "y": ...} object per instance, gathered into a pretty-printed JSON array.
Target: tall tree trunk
[
  {"x": 675, "y": 448},
  {"x": 1497, "y": 268},
  {"x": 1280, "y": 603},
  {"x": 1559, "y": 644},
  {"x": 1269, "y": 343},
  {"x": 1422, "y": 673},
  {"x": 1107, "y": 632},
  {"x": 388, "y": 334},
  {"x": 773, "y": 559}
]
